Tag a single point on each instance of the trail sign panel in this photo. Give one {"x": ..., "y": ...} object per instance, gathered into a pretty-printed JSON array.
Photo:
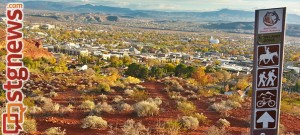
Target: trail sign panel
[
  {"x": 267, "y": 77},
  {"x": 270, "y": 21},
  {"x": 268, "y": 55},
  {"x": 266, "y": 98},
  {"x": 267, "y": 70},
  {"x": 271, "y": 38},
  {"x": 265, "y": 119}
]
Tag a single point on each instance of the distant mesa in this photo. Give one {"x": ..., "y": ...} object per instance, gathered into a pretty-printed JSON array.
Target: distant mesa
[{"x": 112, "y": 18}]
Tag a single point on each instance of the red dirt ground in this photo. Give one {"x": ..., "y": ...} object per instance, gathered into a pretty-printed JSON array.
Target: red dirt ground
[{"x": 238, "y": 118}]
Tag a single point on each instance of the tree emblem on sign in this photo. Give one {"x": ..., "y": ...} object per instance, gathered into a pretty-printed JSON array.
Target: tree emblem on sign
[{"x": 271, "y": 18}]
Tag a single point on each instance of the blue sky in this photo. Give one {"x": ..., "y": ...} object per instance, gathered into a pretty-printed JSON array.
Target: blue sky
[{"x": 196, "y": 5}]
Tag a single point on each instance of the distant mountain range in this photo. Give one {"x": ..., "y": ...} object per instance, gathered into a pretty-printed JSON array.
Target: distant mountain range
[
  {"x": 248, "y": 27},
  {"x": 224, "y": 15},
  {"x": 266, "y": 94}
]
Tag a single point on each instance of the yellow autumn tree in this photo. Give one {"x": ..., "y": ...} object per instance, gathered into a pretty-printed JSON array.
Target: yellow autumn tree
[
  {"x": 242, "y": 84},
  {"x": 200, "y": 76}
]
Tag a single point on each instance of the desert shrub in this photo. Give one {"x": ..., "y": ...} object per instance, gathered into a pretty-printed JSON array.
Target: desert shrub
[
  {"x": 220, "y": 107},
  {"x": 173, "y": 94},
  {"x": 28, "y": 101},
  {"x": 224, "y": 106},
  {"x": 120, "y": 85},
  {"x": 88, "y": 97},
  {"x": 174, "y": 85},
  {"x": 93, "y": 122},
  {"x": 118, "y": 99},
  {"x": 223, "y": 123},
  {"x": 66, "y": 109},
  {"x": 189, "y": 122},
  {"x": 216, "y": 131},
  {"x": 132, "y": 128},
  {"x": 146, "y": 108},
  {"x": 129, "y": 92},
  {"x": 124, "y": 107},
  {"x": 156, "y": 100},
  {"x": 40, "y": 100},
  {"x": 104, "y": 87},
  {"x": 207, "y": 93},
  {"x": 87, "y": 105},
  {"x": 176, "y": 96},
  {"x": 37, "y": 92},
  {"x": 131, "y": 80},
  {"x": 201, "y": 118},
  {"x": 106, "y": 107},
  {"x": 139, "y": 95},
  {"x": 97, "y": 109},
  {"x": 103, "y": 97},
  {"x": 53, "y": 94},
  {"x": 50, "y": 107},
  {"x": 139, "y": 87},
  {"x": 35, "y": 110},
  {"x": 29, "y": 126},
  {"x": 55, "y": 131},
  {"x": 233, "y": 104},
  {"x": 186, "y": 107},
  {"x": 236, "y": 98},
  {"x": 211, "y": 100},
  {"x": 103, "y": 107},
  {"x": 193, "y": 97},
  {"x": 189, "y": 92},
  {"x": 172, "y": 127},
  {"x": 80, "y": 87}
]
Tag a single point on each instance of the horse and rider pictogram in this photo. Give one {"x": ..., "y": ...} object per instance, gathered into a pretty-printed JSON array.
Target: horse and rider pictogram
[{"x": 268, "y": 55}]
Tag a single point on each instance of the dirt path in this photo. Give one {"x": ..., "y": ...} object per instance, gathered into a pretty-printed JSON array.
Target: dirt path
[
  {"x": 155, "y": 89},
  {"x": 168, "y": 111}
]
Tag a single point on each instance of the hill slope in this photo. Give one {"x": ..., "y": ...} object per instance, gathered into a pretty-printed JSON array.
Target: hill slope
[{"x": 30, "y": 50}]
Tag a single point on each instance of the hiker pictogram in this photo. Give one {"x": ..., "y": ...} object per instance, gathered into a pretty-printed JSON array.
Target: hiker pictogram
[
  {"x": 267, "y": 77},
  {"x": 268, "y": 55},
  {"x": 266, "y": 98}
]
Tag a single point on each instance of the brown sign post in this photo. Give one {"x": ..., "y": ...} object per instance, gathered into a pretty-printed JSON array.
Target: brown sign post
[{"x": 267, "y": 70}]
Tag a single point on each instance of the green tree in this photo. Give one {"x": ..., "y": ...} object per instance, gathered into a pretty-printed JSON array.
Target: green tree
[
  {"x": 189, "y": 71},
  {"x": 180, "y": 70},
  {"x": 169, "y": 68},
  {"x": 157, "y": 72},
  {"x": 137, "y": 70}
]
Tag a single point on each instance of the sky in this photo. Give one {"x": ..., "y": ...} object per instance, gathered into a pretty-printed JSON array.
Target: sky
[{"x": 195, "y": 5}]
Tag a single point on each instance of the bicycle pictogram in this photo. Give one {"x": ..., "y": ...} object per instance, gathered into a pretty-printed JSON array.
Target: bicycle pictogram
[{"x": 264, "y": 101}]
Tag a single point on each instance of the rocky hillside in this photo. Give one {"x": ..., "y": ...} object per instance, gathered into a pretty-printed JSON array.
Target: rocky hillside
[{"x": 30, "y": 50}]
